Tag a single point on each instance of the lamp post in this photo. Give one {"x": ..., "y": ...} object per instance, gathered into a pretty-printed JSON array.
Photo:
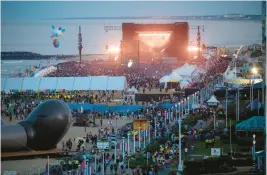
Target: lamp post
[
  {"x": 226, "y": 103},
  {"x": 254, "y": 150},
  {"x": 103, "y": 161},
  {"x": 115, "y": 152},
  {"x": 123, "y": 149},
  {"x": 110, "y": 123},
  {"x": 144, "y": 137},
  {"x": 180, "y": 166},
  {"x": 176, "y": 108},
  {"x": 182, "y": 108},
  {"x": 139, "y": 135},
  {"x": 155, "y": 120},
  {"x": 95, "y": 163},
  {"x": 193, "y": 102},
  {"x": 214, "y": 120},
  {"x": 128, "y": 146},
  {"x": 149, "y": 132},
  {"x": 231, "y": 150},
  {"x": 134, "y": 141},
  {"x": 188, "y": 104},
  {"x": 254, "y": 71}
]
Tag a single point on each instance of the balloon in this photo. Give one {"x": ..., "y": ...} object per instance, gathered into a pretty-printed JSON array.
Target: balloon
[
  {"x": 57, "y": 32},
  {"x": 56, "y": 43}
]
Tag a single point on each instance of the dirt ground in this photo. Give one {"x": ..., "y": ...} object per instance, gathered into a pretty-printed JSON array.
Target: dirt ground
[{"x": 24, "y": 166}]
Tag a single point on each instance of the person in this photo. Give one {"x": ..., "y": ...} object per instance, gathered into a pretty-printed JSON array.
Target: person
[
  {"x": 63, "y": 145},
  {"x": 185, "y": 151}
]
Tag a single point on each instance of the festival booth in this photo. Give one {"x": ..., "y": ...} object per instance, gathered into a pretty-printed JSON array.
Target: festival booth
[
  {"x": 186, "y": 70},
  {"x": 213, "y": 102},
  {"x": 253, "y": 124}
]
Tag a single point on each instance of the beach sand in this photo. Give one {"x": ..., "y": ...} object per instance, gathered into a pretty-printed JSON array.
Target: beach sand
[{"x": 24, "y": 166}]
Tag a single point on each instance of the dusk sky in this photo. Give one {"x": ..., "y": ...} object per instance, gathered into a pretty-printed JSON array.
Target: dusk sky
[
  {"x": 26, "y": 26},
  {"x": 44, "y": 10}
]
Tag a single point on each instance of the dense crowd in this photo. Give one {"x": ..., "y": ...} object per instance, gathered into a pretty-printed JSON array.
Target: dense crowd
[{"x": 147, "y": 75}]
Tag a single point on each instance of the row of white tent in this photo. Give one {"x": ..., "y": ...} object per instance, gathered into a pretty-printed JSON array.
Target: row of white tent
[
  {"x": 67, "y": 83},
  {"x": 181, "y": 75}
]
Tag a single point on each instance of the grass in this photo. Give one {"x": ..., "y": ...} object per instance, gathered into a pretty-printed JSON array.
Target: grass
[{"x": 200, "y": 148}]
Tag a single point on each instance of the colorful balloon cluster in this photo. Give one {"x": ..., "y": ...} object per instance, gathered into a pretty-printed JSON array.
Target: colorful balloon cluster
[{"x": 56, "y": 33}]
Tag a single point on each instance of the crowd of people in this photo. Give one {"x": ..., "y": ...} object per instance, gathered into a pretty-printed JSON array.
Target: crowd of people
[{"x": 146, "y": 76}]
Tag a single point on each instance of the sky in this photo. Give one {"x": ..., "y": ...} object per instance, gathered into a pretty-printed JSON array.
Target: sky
[
  {"x": 44, "y": 10},
  {"x": 26, "y": 26}
]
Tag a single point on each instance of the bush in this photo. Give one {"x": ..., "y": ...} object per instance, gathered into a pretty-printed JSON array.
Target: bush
[
  {"x": 141, "y": 161},
  {"x": 172, "y": 172},
  {"x": 193, "y": 167},
  {"x": 152, "y": 148},
  {"x": 211, "y": 165},
  {"x": 242, "y": 162},
  {"x": 162, "y": 141}
]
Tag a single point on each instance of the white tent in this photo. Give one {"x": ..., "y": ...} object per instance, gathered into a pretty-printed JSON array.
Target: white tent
[
  {"x": 174, "y": 76},
  {"x": 164, "y": 79},
  {"x": 184, "y": 83},
  {"x": 186, "y": 70},
  {"x": 67, "y": 83},
  {"x": 213, "y": 101}
]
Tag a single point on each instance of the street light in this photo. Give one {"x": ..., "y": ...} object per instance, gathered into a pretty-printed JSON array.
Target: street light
[
  {"x": 188, "y": 104},
  {"x": 123, "y": 150},
  {"x": 115, "y": 151},
  {"x": 149, "y": 132},
  {"x": 155, "y": 120},
  {"x": 134, "y": 140},
  {"x": 128, "y": 146},
  {"x": 254, "y": 154},
  {"x": 139, "y": 135},
  {"x": 180, "y": 166},
  {"x": 103, "y": 161},
  {"x": 144, "y": 137},
  {"x": 254, "y": 71},
  {"x": 110, "y": 123},
  {"x": 214, "y": 120}
]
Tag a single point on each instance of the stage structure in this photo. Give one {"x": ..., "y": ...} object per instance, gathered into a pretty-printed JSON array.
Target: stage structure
[{"x": 143, "y": 43}]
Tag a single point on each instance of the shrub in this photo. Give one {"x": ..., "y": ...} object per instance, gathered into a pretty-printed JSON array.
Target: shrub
[
  {"x": 172, "y": 172},
  {"x": 243, "y": 162},
  {"x": 193, "y": 167}
]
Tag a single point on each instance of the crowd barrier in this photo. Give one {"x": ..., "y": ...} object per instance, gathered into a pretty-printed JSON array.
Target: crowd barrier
[{"x": 102, "y": 108}]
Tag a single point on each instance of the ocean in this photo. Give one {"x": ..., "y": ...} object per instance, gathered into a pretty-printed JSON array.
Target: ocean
[{"x": 34, "y": 36}]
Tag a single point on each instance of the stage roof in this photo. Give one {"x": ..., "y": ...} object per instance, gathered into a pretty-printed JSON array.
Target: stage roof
[{"x": 67, "y": 83}]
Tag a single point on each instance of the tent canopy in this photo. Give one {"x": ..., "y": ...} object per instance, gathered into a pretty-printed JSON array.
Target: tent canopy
[
  {"x": 67, "y": 83},
  {"x": 213, "y": 99},
  {"x": 164, "y": 79},
  {"x": 252, "y": 124},
  {"x": 185, "y": 70}
]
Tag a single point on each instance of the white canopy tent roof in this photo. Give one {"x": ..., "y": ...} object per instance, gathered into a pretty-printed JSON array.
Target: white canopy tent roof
[
  {"x": 67, "y": 83},
  {"x": 185, "y": 70},
  {"x": 164, "y": 79},
  {"x": 175, "y": 76},
  {"x": 213, "y": 99}
]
